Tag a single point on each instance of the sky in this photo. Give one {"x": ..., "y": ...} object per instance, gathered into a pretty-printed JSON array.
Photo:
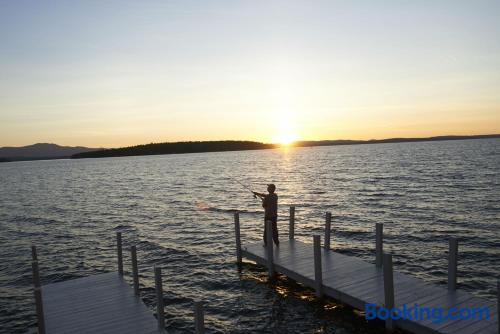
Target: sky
[{"x": 120, "y": 73}]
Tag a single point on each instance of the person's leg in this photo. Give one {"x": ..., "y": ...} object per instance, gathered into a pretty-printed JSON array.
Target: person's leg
[
  {"x": 265, "y": 230},
  {"x": 275, "y": 231}
]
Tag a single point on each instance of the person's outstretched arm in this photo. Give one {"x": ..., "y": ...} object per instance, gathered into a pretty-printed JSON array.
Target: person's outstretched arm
[{"x": 259, "y": 194}]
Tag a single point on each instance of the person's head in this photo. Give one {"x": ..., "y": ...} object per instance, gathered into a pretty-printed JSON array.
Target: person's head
[{"x": 271, "y": 188}]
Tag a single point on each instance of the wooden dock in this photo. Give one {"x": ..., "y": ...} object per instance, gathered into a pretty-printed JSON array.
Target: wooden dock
[
  {"x": 355, "y": 282},
  {"x": 102, "y": 303},
  {"x": 97, "y": 304},
  {"x": 106, "y": 304}
]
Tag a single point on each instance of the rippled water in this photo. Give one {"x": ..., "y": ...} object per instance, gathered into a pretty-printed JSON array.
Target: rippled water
[{"x": 178, "y": 210}]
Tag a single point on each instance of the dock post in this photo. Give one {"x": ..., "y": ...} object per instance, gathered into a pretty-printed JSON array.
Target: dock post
[
  {"x": 328, "y": 224},
  {"x": 238, "y": 237},
  {"x": 199, "y": 318},
  {"x": 39, "y": 310},
  {"x": 119, "y": 252},
  {"x": 379, "y": 243},
  {"x": 388, "y": 290},
  {"x": 291, "y": 225},
  {"x": 135, "y": 270},
  {"x": 269, "y": 247},
  {"x": 452, "y": 264},
  {"x": 34, "y": 255},
  {"x": 37, "y": 292},
  {"x": 159, "y": 297},
  {"x": 36, "y": 274},
  {"x": 318, "y": 271}
]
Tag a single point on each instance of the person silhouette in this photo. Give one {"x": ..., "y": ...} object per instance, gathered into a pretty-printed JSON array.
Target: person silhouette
[{"x": 270, "y": 205}]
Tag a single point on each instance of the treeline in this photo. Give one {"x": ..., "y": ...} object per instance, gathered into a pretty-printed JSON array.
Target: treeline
[
  {"x": 390, "y": 140},
  {"x": 176, "y": 148},
  {"x": 238, "y": 145},
  {"x": 5, "y": 160}
]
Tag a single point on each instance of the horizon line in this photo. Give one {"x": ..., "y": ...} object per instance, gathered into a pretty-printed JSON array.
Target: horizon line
[{"x": 267, "y": 143}]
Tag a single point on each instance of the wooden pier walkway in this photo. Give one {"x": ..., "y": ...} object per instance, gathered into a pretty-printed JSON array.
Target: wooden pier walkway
[
  {"x": 102, "y": 303},
  {"x": 106, "y": 304},
  {"x": 96, "y": 304},
  {"x": 355, "y": 282}
]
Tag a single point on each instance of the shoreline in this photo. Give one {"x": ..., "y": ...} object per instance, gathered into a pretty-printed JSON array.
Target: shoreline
[
  {"x": 123, "y": 152},
  {"x": 168, "y": 148}
]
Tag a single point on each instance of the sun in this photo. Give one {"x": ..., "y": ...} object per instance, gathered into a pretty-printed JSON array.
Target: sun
[
  {"x": 284, "y": 137},
  {"x": 285, "y": 131}
]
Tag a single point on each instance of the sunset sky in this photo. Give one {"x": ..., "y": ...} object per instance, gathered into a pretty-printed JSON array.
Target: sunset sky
[{"x": 117, "y": 73}]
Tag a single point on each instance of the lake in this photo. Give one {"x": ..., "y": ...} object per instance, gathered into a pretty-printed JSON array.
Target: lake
[{"x": 178, "y": 210}]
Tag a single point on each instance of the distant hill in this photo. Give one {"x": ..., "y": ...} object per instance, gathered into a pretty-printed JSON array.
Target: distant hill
[
  {"x": 177, "y": 147},
  {"x": 40, "y": 151}
]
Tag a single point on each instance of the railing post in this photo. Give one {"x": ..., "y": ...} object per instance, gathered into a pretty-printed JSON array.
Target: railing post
[
  {"x": 135, "y": 269},
  {"x": 328, "y": 224},
  {"x": 39, "y": 310},
  {"x": 36, "y": 274},
  {"x": 37, "y": 291},
  {"x": 388, "y": 290},
  {"x": 238, "y": 237},
  {"x": 452, "y": 264},
  {"x": 119, "y": 252},
  {"x": 199, "y": 319},
  {"x": 269, "y": 247},
  {"x": 291, "y": 225},
  {"x": 498, "y": 305},
  {"x": 34, "y": 255},
  {"x": 318, "y": 270},
  {"x": 379, "y": 244},
  {"x": 159, "y": 297}
]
